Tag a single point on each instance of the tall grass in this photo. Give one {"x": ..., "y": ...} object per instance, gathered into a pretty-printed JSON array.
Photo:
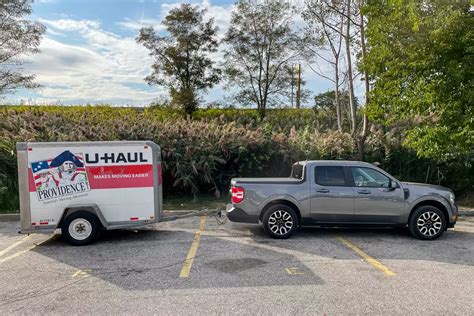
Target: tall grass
[{"x": 203, "y": 154}]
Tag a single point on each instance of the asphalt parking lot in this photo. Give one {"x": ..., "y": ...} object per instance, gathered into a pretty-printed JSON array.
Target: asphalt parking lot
[{"x": 194, "y": 266}]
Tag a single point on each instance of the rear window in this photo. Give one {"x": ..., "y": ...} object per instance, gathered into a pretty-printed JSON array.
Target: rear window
[
  {"x": 297, "y": 171},
  {"x": 330, "y": 176}
]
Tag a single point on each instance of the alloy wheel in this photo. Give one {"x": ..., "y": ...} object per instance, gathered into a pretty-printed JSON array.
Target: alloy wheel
[
  {"x": 429, "y": 223},
  {"x": 280, "y": 222}
]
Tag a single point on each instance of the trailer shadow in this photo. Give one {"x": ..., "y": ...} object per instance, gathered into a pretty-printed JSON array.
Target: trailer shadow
[{"x": 146, "y": 259}]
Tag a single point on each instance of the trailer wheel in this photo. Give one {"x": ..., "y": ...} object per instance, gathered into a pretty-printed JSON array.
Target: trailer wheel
[{"x": 81, "y": 228}]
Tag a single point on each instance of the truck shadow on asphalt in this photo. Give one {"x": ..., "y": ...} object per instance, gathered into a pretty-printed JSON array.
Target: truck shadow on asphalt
[{"x": 453, "y": 247}]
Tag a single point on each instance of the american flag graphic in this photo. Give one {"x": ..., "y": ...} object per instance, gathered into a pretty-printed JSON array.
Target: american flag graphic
[{"x": 44, "y": 172}]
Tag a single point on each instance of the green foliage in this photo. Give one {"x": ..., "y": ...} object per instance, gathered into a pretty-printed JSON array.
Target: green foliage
[
  {"x": 186, "y": 98},
  {"x": 200, "y": 156},
  {"x": 182, "y": 61},
  {"x": 8, "y": 177},
  {"x": 18, "y": 36},
  {"x": 325, "y": 103},
  {"x": 421, "y": 60}
]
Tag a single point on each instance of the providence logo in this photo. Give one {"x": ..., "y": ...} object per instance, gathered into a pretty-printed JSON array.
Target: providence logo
[{"x": 61, "y": 176}]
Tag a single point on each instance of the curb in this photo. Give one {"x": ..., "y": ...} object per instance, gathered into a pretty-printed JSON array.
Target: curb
[
  {"x": 466, "y": 212},
  {"x": 14, "y": 217}
]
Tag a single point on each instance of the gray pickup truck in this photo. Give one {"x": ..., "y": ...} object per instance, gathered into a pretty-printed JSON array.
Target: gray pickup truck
[{"x": 339, "y": 193}]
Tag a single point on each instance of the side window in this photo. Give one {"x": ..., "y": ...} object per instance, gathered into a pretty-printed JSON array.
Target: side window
[
  {"x": 330, "y": 176},
  {"x": 367, "y": 177},
  {"x": 297, "y": 171}
]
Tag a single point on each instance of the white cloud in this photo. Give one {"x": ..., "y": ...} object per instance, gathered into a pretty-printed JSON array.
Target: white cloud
[
  {"x": 104, "y": 68},
  {"x": 220, "y": 14},
  {"x": 71, "y": 25},
  {"x": 136, "y": 25}
]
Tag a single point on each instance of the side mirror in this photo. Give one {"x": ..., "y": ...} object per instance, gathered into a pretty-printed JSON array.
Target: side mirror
[{"x": 393, "y": 184}]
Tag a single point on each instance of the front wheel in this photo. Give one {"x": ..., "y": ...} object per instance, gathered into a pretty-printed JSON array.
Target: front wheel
[
  {"x": 280, "y": 221},
  {"x": 81, "y": 228},
  {"x": 427, "y": 223}
]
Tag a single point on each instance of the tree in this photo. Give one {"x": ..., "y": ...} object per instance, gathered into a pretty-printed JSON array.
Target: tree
[
  {"x": 350, "y": 77},
  {"x": 18, "y": 36},
  {"x": 260, "y": 48},
  {"x": 343, "y": 22},
  {"x": 323, "y": 41},
  {"x": 421, "y": 60},
  {"x": 325, "y": 102},
  {"x": 362, "y": 60},
  {"x": 181, "y": 59}
]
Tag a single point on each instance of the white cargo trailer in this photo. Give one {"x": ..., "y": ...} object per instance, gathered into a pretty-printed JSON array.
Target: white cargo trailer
[{"x": 85, "y": 187}]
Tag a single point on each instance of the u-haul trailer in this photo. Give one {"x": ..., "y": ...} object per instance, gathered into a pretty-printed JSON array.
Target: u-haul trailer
[{"x": 84, "y": 187}]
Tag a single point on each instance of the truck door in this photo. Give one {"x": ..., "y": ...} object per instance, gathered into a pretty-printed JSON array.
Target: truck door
[
  {"x": 332, "y": 197},
  {"x": 377, "y": 199}
]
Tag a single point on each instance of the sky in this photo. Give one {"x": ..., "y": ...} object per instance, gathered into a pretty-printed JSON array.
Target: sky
[{"x": 89, "y": 53}]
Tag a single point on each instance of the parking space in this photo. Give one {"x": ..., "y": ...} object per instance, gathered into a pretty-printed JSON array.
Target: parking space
[{"x": 195, "y": 266}]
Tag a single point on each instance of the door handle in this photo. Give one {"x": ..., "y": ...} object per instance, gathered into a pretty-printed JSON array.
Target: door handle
[
  {"x": 322, "y": 190},
  {"x": 363, "y": 192}
]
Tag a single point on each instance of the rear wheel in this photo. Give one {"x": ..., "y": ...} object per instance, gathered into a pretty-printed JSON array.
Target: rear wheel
[
  {"x": 280, "y": 221},
  {"x": 81, "y": 228},
  {"x": 427, "y": 223}
]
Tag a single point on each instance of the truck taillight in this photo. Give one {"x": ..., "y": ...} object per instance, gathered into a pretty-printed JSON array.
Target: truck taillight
[{"x": 237, "y": 194}]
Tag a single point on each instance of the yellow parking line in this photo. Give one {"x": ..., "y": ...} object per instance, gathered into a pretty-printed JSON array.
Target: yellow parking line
[
  {"x": 376, "y": 264},
  {"x": 188, "y": 263},
  {"x": 81, "y": 273},
  {"x": 19, "y": 253},
  {"x": 293, "y": 271},
  {"x": 4, "y": 251}
]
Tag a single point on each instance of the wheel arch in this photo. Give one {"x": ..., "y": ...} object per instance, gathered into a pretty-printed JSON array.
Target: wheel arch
[
  {"x": 431, "y": 202},
  {"x": 284, "y": 202},
  {"x": 91, "y": 208}
]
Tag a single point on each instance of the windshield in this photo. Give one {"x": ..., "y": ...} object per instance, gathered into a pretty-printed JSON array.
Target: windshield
[{"x": 297, "y": 171}]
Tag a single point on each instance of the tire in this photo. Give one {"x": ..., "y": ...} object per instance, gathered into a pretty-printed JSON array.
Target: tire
[
  {"x": 427, "y": 223},
  {"x": 81, "y": 228},
  {"x": 277, "y": 220}
]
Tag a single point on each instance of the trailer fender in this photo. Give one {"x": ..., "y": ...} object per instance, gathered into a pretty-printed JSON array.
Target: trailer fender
[{"x": 92, "y": 208}]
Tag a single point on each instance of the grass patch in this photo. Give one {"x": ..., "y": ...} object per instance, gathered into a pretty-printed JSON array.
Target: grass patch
[
  {"x": 187, "y": 202},
  {"x": 8, "y": 211},
  {"x": 466, "y": 199}
]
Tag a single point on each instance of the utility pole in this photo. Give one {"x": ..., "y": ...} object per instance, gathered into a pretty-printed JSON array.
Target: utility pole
[
  {"x": 292, "y": 83},
  {"x": 298, "y": 88}
]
